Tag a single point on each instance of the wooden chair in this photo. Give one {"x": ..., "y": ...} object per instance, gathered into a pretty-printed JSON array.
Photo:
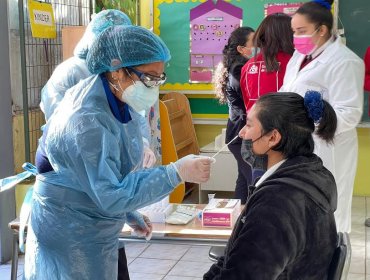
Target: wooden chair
[
  {"x": 14, "y": 226},
  {"x": 177, "y": 133}
]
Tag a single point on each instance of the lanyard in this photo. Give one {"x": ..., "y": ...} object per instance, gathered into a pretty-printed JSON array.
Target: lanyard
[{"x": 121, "y": 114}]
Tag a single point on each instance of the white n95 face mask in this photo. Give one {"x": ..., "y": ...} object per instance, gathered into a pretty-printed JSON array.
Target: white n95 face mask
[{"x": 140, "y": 97}]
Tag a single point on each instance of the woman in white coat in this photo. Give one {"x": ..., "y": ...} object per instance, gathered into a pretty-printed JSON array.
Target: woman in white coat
[{"x": 322, "y": 63}]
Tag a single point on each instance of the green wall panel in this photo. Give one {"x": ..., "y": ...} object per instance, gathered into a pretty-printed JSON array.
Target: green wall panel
[{"x": 207, "y": 106}]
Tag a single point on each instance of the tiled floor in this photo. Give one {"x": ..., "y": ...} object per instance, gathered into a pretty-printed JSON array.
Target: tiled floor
[{"x": 184, "y": 262}]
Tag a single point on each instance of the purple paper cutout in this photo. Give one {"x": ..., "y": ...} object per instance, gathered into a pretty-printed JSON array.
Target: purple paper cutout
[{"x": 220, "y": 5}]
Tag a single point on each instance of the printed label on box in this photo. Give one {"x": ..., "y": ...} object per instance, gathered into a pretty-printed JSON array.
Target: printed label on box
[{"x": 217, "y": 219}]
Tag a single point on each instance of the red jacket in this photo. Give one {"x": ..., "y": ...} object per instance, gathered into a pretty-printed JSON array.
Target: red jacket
[
  {"x": 367, "y": 69},
  {"x": 255, "y": 81},
  {"x": 367, "y": 74}
]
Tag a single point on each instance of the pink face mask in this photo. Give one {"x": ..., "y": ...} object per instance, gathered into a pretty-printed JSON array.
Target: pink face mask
[{"x": 303, "y": 43}]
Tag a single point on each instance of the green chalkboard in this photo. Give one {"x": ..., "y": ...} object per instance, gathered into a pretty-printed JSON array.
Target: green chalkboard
[{"x": 355, "y": 18}]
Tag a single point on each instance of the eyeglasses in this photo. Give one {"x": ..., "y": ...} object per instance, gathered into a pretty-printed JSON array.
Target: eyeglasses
[{"x": 149, "y": 80}]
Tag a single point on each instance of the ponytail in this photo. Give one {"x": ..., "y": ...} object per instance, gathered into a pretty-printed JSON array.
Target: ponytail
[
  {"x": 328, "y": 123},
  {"x": 322, "y": 114}
]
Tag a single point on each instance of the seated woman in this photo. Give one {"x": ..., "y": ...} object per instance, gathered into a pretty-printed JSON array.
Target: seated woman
[{"x": 287, "y": 228}]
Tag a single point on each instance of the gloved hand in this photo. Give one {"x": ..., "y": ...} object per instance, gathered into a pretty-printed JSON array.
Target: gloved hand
[
  {"x": 194, "y": 169},
  {"x": 141, "y": 224},
  {"x": 149, "y": 158}
]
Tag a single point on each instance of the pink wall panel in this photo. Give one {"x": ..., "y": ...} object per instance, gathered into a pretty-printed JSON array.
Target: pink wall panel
[{"x": 201, "y": 76}]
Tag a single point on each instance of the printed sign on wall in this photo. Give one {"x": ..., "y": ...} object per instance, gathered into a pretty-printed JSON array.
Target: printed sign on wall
[
  {"x": 42, "y": 20},
  {"x": 210, "y": 27},
  {"x": 286, "y": 8}
]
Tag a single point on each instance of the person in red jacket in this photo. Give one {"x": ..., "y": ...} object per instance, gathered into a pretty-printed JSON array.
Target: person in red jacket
[
  {"x": 367, "y": 69},
  {"x": 367, "y": 74},
  {"x": 367, "y": 88},
  {"x": 264, "y": 72}
]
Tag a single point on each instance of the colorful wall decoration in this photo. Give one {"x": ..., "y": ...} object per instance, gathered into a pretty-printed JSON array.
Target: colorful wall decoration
[
  {"x": 211, "y": 24},
  {"x": 286, "y": 8},
  {"x": 171, "y": 21}
]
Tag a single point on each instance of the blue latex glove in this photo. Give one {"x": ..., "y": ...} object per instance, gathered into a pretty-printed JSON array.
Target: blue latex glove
[{"x": 141, "y": 224}]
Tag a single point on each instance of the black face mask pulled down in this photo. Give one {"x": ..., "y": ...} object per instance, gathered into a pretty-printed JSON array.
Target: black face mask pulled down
[{"x": 258, "y": 163}]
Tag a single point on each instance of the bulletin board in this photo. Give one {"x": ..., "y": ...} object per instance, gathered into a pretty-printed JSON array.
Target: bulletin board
[
  {"x": 175, "y": 32},
  {"x": 211, "y": 24},
  {"x": 171, "y": 20}
]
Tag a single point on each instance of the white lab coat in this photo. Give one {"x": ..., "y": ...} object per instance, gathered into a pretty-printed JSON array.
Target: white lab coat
[{"x": 338, "y": 74}]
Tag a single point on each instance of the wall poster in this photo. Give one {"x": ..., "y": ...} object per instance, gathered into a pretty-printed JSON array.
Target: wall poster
[
  {"x": 211, "y": 24},
  {"x": 286, "y": 8}
]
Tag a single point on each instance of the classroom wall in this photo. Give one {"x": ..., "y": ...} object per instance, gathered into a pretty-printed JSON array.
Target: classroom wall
[
  {"x": 207, "y": 133},
  {"x": 362, "y": 183},
  {"x": 146, "y": 13}
]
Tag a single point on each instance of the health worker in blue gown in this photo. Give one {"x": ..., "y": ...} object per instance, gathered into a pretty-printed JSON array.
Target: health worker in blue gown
[
  {"x": 74, "y": 69},
  {"x": 93, "y": 144}
]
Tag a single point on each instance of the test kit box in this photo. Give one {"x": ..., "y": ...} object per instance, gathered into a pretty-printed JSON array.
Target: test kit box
[{"x": 221, "y": 213}]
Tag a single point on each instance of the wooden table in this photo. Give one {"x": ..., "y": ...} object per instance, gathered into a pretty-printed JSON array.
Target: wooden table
[{"x": 193, "y": 233}]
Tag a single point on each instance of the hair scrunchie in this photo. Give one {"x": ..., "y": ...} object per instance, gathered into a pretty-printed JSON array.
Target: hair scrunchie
[
  {"x": 314, "y": 105},
  {"x": 323, "y": 3}
]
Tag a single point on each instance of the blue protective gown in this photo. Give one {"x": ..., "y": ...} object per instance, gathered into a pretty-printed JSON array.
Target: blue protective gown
[
  {"x": 79, "y": 208},
  {"x": 66, "y": 75}
]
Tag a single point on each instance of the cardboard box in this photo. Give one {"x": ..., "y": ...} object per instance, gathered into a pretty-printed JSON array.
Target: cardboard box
[{"x": 221, "y": 213}]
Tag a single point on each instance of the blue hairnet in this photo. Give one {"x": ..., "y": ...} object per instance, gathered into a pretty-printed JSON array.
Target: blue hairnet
[
  {"x": 98, "y": 24},
  {"x": 122, "y": 46}
]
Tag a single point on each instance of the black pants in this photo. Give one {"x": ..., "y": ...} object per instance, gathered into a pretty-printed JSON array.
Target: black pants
[
  {"x": 244, "y": 173},
  {"x": 122, "y": 265}
]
